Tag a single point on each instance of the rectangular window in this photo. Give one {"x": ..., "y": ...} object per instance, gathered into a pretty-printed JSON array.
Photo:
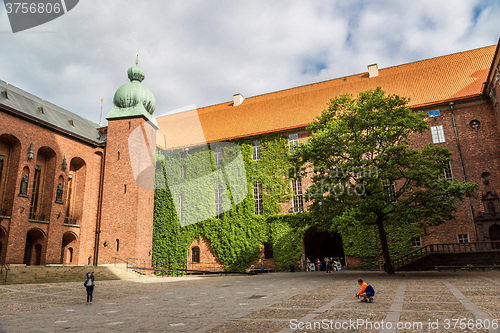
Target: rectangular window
[
  {"x": 434, "y": 113},
  {"x": 298, "y": 197},
  {"x": 463, "y": 238},
  {"x": 437, "y": 134},
  {"x": 255, "y": 150},
  {"x": 257, "y": 194},
  {"x": 416, "y": 242},
  {"x": 218, "y": 203},
  {"x": 35, "y": 192},
  {"x": 447, "y": 174},
  {"x": 293, "y": 139},
  {"x": 179, "y": 209},
  {"x": 390, "y": 190},
  {"x": 217, "y": 156}
]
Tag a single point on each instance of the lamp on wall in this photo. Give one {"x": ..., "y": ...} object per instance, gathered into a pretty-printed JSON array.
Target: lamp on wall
[
  {"x": 31, "y": 152},
  {"x": 64, "y": 165}
]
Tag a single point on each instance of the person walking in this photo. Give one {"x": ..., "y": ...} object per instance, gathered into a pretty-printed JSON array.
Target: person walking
[{"x": 89, "y": 285}]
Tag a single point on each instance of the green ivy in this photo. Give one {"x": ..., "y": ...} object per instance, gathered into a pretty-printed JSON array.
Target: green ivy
[{"x": 237, "y": 236}]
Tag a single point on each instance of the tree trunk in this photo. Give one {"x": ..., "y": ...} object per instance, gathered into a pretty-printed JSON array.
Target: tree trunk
[{"x": 385, "y": 247}]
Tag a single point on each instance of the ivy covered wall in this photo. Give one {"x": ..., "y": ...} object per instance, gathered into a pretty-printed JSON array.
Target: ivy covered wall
[{"x": 185, "y": 210}]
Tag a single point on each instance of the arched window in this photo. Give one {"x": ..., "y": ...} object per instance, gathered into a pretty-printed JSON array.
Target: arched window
[{"x": 195, "y": 254}]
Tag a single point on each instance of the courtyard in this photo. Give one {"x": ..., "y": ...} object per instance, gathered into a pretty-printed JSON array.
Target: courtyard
[{"x": 270, "y": 302}]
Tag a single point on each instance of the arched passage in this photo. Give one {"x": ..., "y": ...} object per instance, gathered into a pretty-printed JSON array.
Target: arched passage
[
  {"x": 495, "y": 236},
  {"x": 3, "y": 242},
  {"x": 321, "y": 244},
  {"x": 69, "y": 246},
  {"x": 34, "y": 247}
]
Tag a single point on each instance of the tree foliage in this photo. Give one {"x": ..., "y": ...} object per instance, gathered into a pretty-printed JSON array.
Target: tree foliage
[{"x": 367, "y": 170}]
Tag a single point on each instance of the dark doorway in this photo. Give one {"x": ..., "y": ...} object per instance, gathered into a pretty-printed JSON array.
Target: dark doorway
[
  {"x": 27, "y": 250},
  {"x": 495, "y": 236},
  {"x": 321, "y": 244}
]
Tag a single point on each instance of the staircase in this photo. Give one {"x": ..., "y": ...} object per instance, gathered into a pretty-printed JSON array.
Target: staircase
[
  {"x": 20, "y": 274},
  {"x": 452, "y": 254}
]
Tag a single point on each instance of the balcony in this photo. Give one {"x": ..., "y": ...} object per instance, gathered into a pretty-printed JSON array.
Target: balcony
[
  {"x": 69, "y": 220},
  {"x": 37, "y": 218}
]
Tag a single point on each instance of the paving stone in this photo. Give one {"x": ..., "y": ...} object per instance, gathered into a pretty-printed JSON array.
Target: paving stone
[{"x": 240, "y": 303}]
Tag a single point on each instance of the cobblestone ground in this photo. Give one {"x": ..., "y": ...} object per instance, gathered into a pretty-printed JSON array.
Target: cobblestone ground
[{"x": 275, "y": 302}]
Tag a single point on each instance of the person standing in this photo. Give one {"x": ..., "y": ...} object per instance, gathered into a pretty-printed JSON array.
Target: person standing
[
  {"x": 89, "y": 285},
  {"x": 308, "y": 265},
  {"x": 327, "y": 265}
]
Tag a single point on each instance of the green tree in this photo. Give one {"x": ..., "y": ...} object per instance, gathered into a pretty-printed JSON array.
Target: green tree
[{"x": 365, "y": 168}]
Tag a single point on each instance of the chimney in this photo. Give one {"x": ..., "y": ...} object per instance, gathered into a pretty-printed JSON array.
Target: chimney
[
  {"x": 372, "y": 71},
  {"x": 238, "y": 99}
]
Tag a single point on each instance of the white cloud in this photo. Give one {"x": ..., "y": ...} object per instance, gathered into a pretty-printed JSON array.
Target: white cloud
[{"x": 199, "y": 52}]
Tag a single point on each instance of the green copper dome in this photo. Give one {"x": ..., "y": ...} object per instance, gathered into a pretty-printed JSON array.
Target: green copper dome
[{"x": 133, "y": 98}]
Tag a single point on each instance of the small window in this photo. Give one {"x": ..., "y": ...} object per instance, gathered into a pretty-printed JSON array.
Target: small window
[
  {"x": 437, "y": 134},
  {"x": 434, "y": 113},
  {"x": 257, "y": 194},
  {"x": 491, "y": 207},
  {"x": 463, "y": 238},
  {"x": 293, "y": 140},
  {"x": 117, "y": 245},
  {"x": 256, "y": 150},
  {"x": 195, "y": 255},
  {"x": 217, "y": 156},
  {"x": 447, "y": 174},
  {"x": 416, "y": 241},
  {"x": 268, "y": 251}
]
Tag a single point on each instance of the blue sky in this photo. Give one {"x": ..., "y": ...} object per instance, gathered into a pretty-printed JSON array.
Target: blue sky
[{"x": 201, "y": 53}]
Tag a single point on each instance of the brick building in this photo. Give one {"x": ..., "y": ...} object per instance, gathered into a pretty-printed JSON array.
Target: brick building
[{"x": 74, "y": 192}]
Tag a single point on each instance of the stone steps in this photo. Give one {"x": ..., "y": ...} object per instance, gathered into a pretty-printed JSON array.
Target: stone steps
[{"x": 21, "y": 274}]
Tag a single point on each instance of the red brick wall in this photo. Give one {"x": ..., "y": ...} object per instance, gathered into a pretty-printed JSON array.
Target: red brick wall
[
  {"x": 55, "y": 146},
  {"x": 208, "y": 260}
]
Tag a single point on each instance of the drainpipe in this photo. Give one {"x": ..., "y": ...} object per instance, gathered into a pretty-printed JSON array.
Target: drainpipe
[
  {"x": 99, "y": 209},
  {"x": 463, "y": 169}
]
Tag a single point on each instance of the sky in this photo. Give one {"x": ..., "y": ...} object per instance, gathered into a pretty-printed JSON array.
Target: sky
[{"x": 203, "y": 52}]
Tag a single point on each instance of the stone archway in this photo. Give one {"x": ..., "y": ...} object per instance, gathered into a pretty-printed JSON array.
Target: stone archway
[
  {"x": 494, "y": 233},
  {"x": 34, "y": 246},
  {"x": 321, "y": 244},
  {"x": 68, "y": 252}
]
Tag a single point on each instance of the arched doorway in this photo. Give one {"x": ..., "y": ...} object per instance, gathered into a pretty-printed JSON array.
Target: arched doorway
[
  {"x": 33, "y": 250},
  {"x": 68, "y": 254},
  {"x": 495, "y": 236},
  {"x": 321, "y": 244}
]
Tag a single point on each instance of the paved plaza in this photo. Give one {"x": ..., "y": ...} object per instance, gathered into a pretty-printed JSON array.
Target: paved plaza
[{"x": 272, "y": 302}]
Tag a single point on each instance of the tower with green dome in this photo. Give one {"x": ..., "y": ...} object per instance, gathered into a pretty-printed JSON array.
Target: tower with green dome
[{"x": 125, "y": 227}]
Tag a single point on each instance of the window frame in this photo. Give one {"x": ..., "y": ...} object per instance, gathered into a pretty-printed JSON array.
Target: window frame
[
  {"x": 298, "y": 195},
  {"x": 255, "y": 150},
  {"x": 293, "y": 140},
  {"x": 463, "y": 238},
  {"x": 437, "y": 133}
]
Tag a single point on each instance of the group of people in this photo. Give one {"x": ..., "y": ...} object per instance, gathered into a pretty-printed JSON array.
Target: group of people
[{"x": 329, "y": 264}]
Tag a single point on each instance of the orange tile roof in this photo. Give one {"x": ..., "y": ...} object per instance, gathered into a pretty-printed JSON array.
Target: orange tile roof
[{"x": 430, "y": 81}]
